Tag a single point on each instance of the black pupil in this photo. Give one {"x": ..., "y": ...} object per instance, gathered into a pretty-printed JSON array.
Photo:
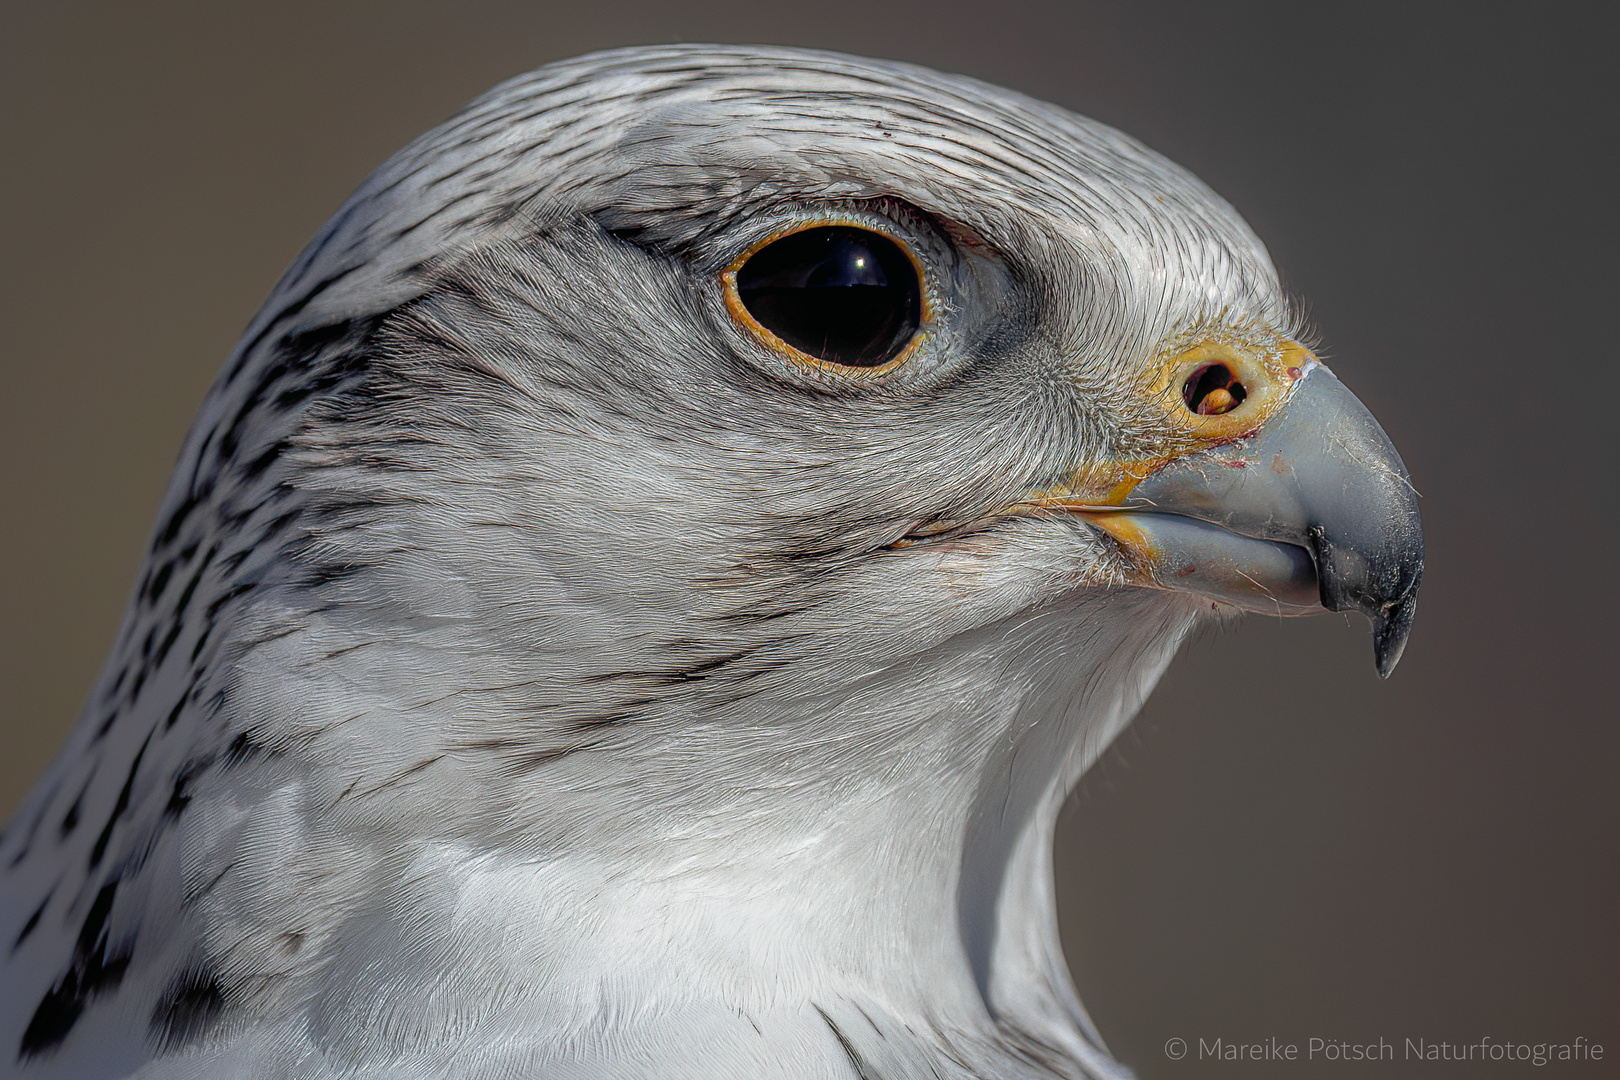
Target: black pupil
[{"x": 841, "y": 294}]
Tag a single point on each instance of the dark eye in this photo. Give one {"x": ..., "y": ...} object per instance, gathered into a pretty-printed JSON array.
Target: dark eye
[{"x": 841, "y": 294}]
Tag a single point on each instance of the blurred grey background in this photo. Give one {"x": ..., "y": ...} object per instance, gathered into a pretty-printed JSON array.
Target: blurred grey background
[{"x": 1282, "y": 846}]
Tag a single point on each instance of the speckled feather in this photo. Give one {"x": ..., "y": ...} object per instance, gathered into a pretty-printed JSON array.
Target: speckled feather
[{"x": 523, "y": 679}]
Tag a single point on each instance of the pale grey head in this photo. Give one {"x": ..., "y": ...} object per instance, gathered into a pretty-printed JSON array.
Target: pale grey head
[{"x": 544, "y": 668}]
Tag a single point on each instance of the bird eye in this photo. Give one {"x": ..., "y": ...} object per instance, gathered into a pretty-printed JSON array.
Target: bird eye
[{"x": 837, "y": 293}]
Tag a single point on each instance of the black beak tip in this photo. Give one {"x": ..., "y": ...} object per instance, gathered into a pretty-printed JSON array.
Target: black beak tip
[
  {"x": 1385, "y": 590},
  {"x": 1390, "y": 631}
]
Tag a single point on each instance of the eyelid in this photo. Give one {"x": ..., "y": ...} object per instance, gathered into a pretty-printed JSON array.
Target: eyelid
[{"x": 928, "y": 296}]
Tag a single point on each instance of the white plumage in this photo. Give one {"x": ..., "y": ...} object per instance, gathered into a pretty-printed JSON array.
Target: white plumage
[{"x": 543, "y": 670}]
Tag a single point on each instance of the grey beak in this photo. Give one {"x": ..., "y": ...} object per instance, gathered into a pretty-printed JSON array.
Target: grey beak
[{"x": 1321, "y": 475}]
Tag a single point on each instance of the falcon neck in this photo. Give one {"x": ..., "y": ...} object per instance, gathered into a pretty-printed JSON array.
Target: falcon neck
[
  {"x": 892, "y": 842},
  {"x": 877, "y": 853}
]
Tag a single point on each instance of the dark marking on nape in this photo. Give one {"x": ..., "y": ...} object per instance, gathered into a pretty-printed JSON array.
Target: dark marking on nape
[
  {"x": 603, "y": 720},
  {"x": 330, "y": 573},
  {"x": 705, "y": 669},
  {"x": 180, "y": 794},
  {"x": 626, "y": 712},
  {"x": 494, "y": 744},
  {"x": 202, "y": 642},
  {"x": 105, "y": 725},
  {"x": 160, "y": 581},
  {"x": 443, "y": 343},
  {"x": 117, "y": 684},
  {"x": 191, "y": 898},
  {"x": 188, "y": 1008},
  {"x": 139, "y": 684},
  {"x": 856, "y": 1062},
  {"x": 167, "y": 643},
  {"x": 70, "y": 820},
  {"x": 227, "y": 596},
  {"x": 342, "y": 368},
  {"x": 288, "y": 312},
  {"x": 266, "y": 638},
  {"x": 191, "y": 586},
  {"x": 406, "y": 230},
  {"x": 37, "y": 818},
  {"x": 242, "y": 749},
  {"x": 174, "y": 713},
  {"x": 33, "y": 920},
  {"x": 179, "y": 798},
  {"x": 233, "y": 562},
  {"x": 287, "y": 364},
  {"x": 758, "y": 613},
  {"x": 346, "y": 512},
  {"x": 171, "y": 527},
  {"x": 529, "y": 761},
  {"x": 673, "y": 676},
  {"x": 255, "y": 466},
  {"x": 403, "y": 775},
  {"x": 96, "y": 967},
  {"x": 295, "y": 360},
  {"x": 119, "y": 806}
]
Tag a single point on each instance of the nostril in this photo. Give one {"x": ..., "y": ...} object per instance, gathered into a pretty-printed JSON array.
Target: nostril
[{"x": 1213, "y": 390}]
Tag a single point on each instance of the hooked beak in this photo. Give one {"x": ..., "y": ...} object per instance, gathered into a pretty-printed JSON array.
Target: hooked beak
[{"x": 1311, "y": 510}]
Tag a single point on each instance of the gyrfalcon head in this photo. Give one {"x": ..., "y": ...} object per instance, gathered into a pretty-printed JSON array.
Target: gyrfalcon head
[{"x": 636, "y": 599}]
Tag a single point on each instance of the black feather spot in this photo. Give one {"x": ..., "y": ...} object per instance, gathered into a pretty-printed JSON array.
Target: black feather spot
[
  {"x": 160, "y": 581},
  {"x": 190, "y": 1005},
  {"x": 167, "y": 644},
  {"x": 227, "y": 596},
  {"x": 241, "y": 749},
  {"x": 70, "y": 820},
  {"x": 33, "y": 921},
  {"x": 121, "y": 805},
  {"x": 180, "y": 795},
  {"x": 95, "y": 968},
  {"x": 171, "y": 527},
  {"x": 252, "y": 469},
  {"x": 105, "y": 725},
  {"x": 138, "y": 685},
  {"x": 202, "y": 641}
]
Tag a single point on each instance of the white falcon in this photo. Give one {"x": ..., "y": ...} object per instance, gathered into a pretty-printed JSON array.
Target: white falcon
[{"x": 634, "y": 602}]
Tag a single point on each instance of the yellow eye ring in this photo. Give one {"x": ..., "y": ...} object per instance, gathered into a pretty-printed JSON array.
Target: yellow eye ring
[{"x": 785, "y": 291}]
